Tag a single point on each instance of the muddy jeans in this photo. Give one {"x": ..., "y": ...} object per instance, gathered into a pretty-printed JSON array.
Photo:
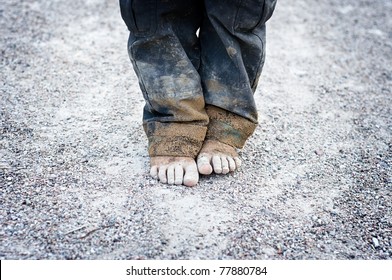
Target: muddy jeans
[{"x": 197, "y": 86}]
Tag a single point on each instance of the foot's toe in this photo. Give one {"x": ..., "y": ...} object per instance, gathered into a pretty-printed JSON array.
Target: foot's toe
[
  {"x": 232, "y": 165},
  {"x": 178, "y": 174},
  {"x": 170, "y": 175},
  {"x": 204, "y": 165},
  {"x": 225, "y": 165},
  {"x": 217, "y": 164},
  {"x": 238, "y": 162},
  {"x": 154, "y": 172},
  {"x": 191, "y": 176},
  {"x": 162, "y": 174}
]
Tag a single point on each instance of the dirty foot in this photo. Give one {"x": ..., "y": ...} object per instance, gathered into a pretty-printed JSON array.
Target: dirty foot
[
  {"x": 175, "y": 170},
  {"x": 217, "y": 157}
]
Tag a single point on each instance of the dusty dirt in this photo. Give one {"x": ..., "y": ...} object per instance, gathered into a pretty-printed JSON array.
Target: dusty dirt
[{"x": 316, "y": 181}]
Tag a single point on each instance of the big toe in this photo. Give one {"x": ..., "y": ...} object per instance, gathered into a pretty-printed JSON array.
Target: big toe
[
  {"x": 204, "y": 164},
  {"x": 191, "y": 176}
]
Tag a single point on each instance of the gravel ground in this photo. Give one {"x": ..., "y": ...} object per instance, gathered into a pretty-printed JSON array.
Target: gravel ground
[{"x": 317, "y": 179}]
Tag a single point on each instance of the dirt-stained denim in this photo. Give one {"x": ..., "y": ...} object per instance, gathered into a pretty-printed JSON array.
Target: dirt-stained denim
[{"x": 193, "y": 84}]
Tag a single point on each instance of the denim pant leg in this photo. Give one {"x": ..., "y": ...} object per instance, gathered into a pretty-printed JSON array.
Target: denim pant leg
[
  {"x": 165, "y": 53},
  {"x": 232, "y": 56}
]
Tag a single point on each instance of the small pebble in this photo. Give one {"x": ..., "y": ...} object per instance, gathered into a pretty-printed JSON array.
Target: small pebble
[
  {"x": 319, "y": 152},
  {"x": 375, "y": 242}
]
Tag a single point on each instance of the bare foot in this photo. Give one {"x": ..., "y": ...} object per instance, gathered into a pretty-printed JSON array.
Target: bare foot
[
  {"x": 218, "y": 157},
  {"x": 175, "y": 170}
]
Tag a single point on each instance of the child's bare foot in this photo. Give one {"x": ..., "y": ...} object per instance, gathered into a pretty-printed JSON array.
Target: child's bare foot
[
  {"x": 175, "y": 170},
  {"x": 218, "y": 157}
]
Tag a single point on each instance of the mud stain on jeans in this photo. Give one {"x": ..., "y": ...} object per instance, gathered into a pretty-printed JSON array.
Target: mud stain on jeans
[{"x": 227, "y": 127}]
